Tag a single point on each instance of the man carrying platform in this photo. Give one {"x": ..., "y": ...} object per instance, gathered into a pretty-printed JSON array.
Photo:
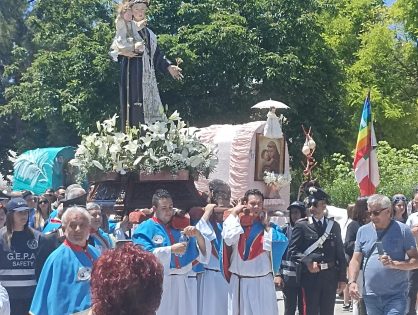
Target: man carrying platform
[
  {"x": 213, "y": 286},
  {"x": 257, "y": 250},
  {"x": 176, "y": 251}
]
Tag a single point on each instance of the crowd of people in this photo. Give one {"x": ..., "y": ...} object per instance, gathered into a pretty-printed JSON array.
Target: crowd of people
[{"x": 62, "y": 255}]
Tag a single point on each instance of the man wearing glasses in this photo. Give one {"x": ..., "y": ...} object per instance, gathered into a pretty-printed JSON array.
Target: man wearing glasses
[{"x": 385, "y": 249}]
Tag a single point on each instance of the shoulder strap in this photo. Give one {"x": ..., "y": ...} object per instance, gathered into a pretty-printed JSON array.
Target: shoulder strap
[
  {"x": 37, "y": 235},
  {"x": 321, "y": 240},
  {"x": 378, "y": 239},
  {"x": 371, "y": 252}
]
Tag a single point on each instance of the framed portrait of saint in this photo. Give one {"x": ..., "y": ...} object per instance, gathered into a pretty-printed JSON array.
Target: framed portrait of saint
[{"x": 269, "y": 156}]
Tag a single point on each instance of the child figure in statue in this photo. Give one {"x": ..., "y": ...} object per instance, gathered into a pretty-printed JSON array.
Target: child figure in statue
[{"x": 135, "y": 47}]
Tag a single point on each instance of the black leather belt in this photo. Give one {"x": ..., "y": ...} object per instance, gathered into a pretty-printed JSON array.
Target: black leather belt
[
  {"x": 177, "y": 274},
  {"x": 252, "y": 277}
]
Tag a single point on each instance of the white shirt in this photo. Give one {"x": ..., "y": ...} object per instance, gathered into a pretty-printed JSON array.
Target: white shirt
[{"x": 4, "y": 302}]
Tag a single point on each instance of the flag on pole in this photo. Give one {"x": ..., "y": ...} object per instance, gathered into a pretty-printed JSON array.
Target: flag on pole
[{"x": 366, "y": 169}]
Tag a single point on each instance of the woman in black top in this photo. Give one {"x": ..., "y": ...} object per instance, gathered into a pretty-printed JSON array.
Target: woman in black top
[
  {"x": 399, "y": 203},
  {"x": 360, "y": 217},
  {"x": 18, "y": 251}
]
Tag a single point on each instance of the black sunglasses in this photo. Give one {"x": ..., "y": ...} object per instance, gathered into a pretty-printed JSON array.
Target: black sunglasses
[
  {"x": 43, "y": 201},
  {"x": 376, "y": 213}
]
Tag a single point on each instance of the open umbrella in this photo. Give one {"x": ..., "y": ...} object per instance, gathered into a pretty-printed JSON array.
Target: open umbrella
[
  {"x": 272, "y": 128},
  {"x": 269, "y": 104}
]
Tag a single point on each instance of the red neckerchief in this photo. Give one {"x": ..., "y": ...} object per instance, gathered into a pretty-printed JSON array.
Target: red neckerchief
[
  {"x": 256, "y": 247},
  {"x": 78, "y": 248},
  {"x": 167, "y": 229},
  {"x": 55, "y": 220}
]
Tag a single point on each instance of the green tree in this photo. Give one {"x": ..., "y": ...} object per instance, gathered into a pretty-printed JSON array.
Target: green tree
[
  {"x": 238, "y": 53},
  {"x": 70, "y": 80},
  {"x": 376, "y": 47},
  {"x": 398, "y": 170},
  {"x": 235, "y": 54},
  {"x": 12, "y": 30}
]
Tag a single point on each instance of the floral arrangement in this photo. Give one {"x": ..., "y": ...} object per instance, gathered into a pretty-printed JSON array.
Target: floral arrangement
[
  {"x": 163, "y": 146},
  {"x": 107, "y": 150},
  {"x": 277, "y": 180},
  {"x": 5, "y": 183},
  {"x": 169, "y": 146}
]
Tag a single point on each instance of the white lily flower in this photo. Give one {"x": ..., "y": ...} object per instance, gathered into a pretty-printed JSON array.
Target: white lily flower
[
  {"x": 132, "y": 147},
  {"x": 196, "y": 160},
  {"x": 114, "y": 149},
  {"x": 98, "y": 164},
  {"x": 170, "y": 146},
  {"x": 174, "y": 116}
]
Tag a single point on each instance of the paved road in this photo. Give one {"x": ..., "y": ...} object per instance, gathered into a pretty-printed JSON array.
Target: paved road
[{"x": 337, "y": 310}]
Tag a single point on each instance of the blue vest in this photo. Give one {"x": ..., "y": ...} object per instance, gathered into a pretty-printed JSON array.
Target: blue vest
[
  {"x": 151, "y": 235},
  {"x": 64, "y": 284}
]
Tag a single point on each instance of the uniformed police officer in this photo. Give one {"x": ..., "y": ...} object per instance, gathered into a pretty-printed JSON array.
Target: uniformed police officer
[
  {"x": 316, "y": 244},
  {"x": 287, "y": 278}
]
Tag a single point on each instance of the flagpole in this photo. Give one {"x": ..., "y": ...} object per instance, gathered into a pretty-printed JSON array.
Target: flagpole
[
  {"x": 370, "y": 157},
  {"x": 370, "y": 141}
]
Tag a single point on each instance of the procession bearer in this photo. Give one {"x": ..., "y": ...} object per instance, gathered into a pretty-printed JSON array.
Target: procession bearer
[
  {"x": 316, "y": 244},
  {"x": 176, "y": 253},
  {"x": 257, "y": 250}
]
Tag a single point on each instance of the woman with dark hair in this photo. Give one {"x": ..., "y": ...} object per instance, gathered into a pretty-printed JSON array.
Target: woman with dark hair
[
  {"x": 41, "y": 215},
  {"x": 3, "y": 213},
  {"x": 350, "y": 208},
  {"x": 126, "y": 281},
  {"x": 399, "y": 203},
  {"x": 360, "y": 216},
  {"x": 18, "y": 251}
]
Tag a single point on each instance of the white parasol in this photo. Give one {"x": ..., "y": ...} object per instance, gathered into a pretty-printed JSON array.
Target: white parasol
[
  {"x": 269, "y": 104},
  {"x": 273, "y": 128}
]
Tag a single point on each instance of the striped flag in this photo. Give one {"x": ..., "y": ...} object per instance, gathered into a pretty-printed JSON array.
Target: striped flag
[{"x": 366, "y": 169}]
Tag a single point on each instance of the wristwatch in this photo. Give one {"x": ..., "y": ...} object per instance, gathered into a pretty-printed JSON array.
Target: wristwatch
[{"x": 351, "y": 281}]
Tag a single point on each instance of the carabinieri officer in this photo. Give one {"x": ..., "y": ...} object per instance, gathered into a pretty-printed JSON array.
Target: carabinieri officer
[{"x": 317, "y": 246}]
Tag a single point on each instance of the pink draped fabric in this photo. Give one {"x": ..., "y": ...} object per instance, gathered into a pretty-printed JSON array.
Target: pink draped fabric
[
  {"x": 206, "y": 135},
  {"x": 240, "y": 158}
]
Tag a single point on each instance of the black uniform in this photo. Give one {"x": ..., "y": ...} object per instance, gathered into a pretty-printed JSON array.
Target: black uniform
[
  {"x": 292, "y": 292},
  {"x": 319, "y": 289}
]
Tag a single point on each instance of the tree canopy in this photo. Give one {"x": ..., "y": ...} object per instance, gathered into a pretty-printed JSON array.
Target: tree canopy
[{"x": 318, "y": 56}]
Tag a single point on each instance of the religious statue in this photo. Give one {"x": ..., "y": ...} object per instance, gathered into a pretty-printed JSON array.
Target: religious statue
[{"x": 135, "y": 47}]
